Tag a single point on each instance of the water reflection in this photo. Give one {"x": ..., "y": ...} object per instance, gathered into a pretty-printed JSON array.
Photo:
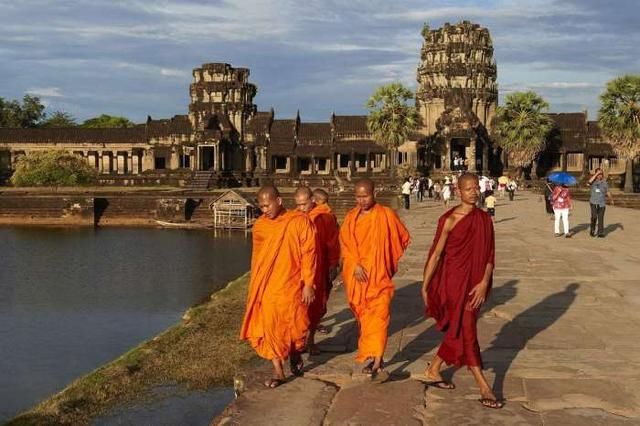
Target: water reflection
[{"x": 72, "y": 299}]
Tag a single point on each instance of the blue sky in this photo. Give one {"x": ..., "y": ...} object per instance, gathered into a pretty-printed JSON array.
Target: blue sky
[{"x": 134, "y": 58}]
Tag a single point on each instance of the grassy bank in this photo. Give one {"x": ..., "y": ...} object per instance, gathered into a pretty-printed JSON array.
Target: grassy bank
[{"x": 201, "y": 351}]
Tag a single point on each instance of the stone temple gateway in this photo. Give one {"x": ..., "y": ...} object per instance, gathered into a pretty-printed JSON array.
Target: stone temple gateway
[
  {"x": 225, "y": 140},
  {"x": 457, "y": 94}
]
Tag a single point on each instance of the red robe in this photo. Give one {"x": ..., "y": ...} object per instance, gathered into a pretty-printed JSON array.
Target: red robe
[
  {"x": 328, "y": 256},
  {"x": 376, "y": 241},
  {"x": 469, "y": 248}
]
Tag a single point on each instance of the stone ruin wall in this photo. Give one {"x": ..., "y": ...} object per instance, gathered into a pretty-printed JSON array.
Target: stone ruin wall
[{"x": 456, "y": 59}]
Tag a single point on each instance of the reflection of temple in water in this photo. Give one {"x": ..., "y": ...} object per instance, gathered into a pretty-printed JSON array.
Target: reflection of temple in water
[{"x": 225, "y": 140}]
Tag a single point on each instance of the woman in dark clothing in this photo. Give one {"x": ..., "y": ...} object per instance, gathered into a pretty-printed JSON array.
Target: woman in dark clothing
[{"x": 547, "y": 198}]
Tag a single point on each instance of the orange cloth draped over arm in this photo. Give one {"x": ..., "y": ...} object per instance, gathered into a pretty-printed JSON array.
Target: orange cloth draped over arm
[
  {"x": 283, "y": 261},
  {"x": 328, "y": 256},
  {"x": 376, "y": 241}
]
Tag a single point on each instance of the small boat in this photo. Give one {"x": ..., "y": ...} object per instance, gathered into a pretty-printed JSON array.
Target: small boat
[{"x": 182, "y": 225}]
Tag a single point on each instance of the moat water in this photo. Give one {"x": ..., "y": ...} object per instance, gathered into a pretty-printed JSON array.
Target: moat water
[{"x": 72, "y": 299}]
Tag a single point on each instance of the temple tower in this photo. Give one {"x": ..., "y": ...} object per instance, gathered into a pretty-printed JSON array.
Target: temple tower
[
  {"x": 220, "y": 90},
  {"x": 457, "y": 93}
]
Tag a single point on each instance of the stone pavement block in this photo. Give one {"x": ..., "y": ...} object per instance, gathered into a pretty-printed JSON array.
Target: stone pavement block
[
  {"x": 608, "y": 395},
  {"x": 390, "y": 403},
  {"x": 299, "y": 402},
  {"x": 446, "y": 408},
  {"x": 585, "y": 417}
]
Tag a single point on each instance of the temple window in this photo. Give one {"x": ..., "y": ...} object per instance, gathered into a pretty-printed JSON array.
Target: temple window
[
  {"x": 280, "y": 164},
  {"x": 361, "y": 161},
  {"x": 344, "y": 161},
  {"x": 322, "y": 166}
]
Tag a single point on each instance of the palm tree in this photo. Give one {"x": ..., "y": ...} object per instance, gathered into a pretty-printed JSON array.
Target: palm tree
[
  {"x": 521, "y": 127},
  {"x": 391, "y": 119},
  {"x": 619, "y": 120}
]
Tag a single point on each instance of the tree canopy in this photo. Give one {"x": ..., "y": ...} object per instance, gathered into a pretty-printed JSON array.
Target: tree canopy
[
  {"x": 28, "y": 113},
  {"x": 53, "y": 168},
  {"x": 619, "y": 120},
  {"x": 390, "y": 118},
  {"x": 59, "y": 119},
  {"x": 107, "y": 121},
  {"x": 521, "y": 127}
]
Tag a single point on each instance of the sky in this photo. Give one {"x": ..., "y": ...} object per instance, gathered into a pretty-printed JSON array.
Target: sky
[{"x": 134, "y": 58}]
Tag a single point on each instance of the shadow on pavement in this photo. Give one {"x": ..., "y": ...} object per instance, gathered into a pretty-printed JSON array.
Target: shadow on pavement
[
  {"x": 429, "y": 339},
  {"x": 514, "y": 336},
  {"x": 612, "y": 228}
]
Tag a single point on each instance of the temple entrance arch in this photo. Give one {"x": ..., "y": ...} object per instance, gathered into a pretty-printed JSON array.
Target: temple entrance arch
[
  {"x": 207, "y": 157},
  {"x": 458, "y": 149}
]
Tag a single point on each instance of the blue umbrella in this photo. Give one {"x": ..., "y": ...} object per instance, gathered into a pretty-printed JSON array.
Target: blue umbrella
[{"x": 562, "y": 178}]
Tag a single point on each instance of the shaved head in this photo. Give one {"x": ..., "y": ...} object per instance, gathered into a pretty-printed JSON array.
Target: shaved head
[
  {"x": 365, "y": 194},
  {"x": 303, "y": 190},
  {"x": 367, "y": 184},
  {"x": 466, "y": 177},
  {"x": 320, "y": 196},
  {"x": 269, "y": 191},
  {"x": 303, "y": 199},
  {"x": 269, "y": 201}
]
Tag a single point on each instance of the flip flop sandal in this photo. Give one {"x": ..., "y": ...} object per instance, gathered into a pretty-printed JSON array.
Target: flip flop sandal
[
  {"x": 273, "y": 383},
  {"x": 441, "y": 384},
  {"x": 368, "y": 369},
  {"x": 380, "y": 375},
  {"x": 491, "y": 403}
]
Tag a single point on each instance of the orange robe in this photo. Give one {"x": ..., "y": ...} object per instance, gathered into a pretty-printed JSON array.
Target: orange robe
[
  {"x": 328, "y": 256},
  {"x": 283, "y": 261},
  {"x": 376, "y": 241}
]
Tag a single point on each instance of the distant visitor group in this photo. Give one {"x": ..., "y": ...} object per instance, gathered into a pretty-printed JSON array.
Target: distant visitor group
[{"x": 297, "y": 254}]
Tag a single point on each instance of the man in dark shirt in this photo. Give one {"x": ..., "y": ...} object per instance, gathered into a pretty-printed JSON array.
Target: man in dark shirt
[{"x": 599, "y": 192}]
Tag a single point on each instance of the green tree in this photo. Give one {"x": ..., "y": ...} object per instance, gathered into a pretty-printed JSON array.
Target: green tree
[
  {"x": 53, "y": 168},
  {"x": 390, "y": 118},
  {"x": 521, "y": 128},
  {"x": 29, "y": 113},
  {"x": 59, "y": 119},
  {"x": 107, "y": 121},
  {"x": 619, "y": 120}
]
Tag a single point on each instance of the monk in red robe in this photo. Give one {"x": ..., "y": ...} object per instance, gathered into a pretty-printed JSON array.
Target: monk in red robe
[
  {"x": 372, "y": 240},
  {"x": 327, "y": 256},
  {"x": 457, "y": 279},
  {"x": 283, "y": 267}
]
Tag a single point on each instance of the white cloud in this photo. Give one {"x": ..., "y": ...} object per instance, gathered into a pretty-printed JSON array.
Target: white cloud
[{"x": 46, "y": 92}]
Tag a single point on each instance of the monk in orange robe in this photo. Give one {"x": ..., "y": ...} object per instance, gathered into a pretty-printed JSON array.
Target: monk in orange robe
[
  {"x": 457, "y": 279},
  {"x": 372, "y": 240},
  {"x": 327, "y": 257},
  {"x": 283, "y": 267}
]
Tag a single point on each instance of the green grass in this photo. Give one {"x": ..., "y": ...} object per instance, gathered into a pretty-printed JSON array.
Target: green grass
[{"x": 200, "y": 352}]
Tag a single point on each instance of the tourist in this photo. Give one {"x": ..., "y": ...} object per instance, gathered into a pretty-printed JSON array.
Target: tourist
[
  {"x": 512, "y": 186},
  {"x": 283, "y": 267},
  {"x": 372, "y": 240},
  {"x": 502, "y": 186},
  {"x": 422, "y": 188},
  {"x": 430, "y": 187},
  {"x": 490, "y": 202},
  {"x": 597, "y": 200},
  {"x": 484, "y": 186},
  {"x": 415, "y": 189},
  {"x": 327, "y": 257},
  {"x": 406, "y": 192},
  {"x": 548, "y": 205},
  {"x": 446, "y": 192},
  {"x": 561, "y": 201},
  {"x": 454, "y": 186},
  {"x": 437, "y": 191},
  {"x": 457, "y": 280}
]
